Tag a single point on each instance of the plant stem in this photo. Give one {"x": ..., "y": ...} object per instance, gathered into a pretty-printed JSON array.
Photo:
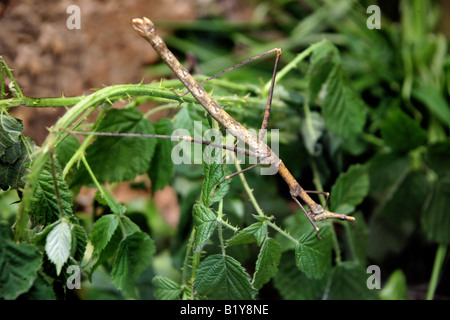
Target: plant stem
[
  {"x": 219, "y": 226},
  {"x": 248, "y": 190},
  {"x": 437, "y": 267},
  {"x": 293, "y": 64},
  {"x": 281, "y": 231},
  {"x": 255, "y": 203}
]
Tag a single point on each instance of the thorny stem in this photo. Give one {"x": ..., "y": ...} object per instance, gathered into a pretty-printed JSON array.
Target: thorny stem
[
  {"x": 219, "y": 227},
  {"x": 255, "y": 203}
]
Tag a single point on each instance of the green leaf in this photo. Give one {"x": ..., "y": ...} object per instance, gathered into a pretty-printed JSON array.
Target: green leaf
[
  {"x": 402, "y": 133},
  {"x": 19, "y": 265},
  {"x": 402, "y": 207},
  {"x": 323, "y": 60},
  {"x": 342, "y": 110},
  {"x": 205, "y": 223},
  {"x": 13, "y": 174},
  {"x": 313, "y": 256},
  {"x": 435, "y": 219},
  {"x": 395, "y": 287},
  {"x": 119, "y": 158},
  {"x": 10, "y": 131},
  {"x": 44, "y": 207},
  {"x": 267, "y": 263},
  {"x": 40, "y": 290},
  {"x": 349, "y": 190},
  {"x": 357, "y": 239},
  {"x": 15, "y": 153},
  {"x": 312, "y": 129},
  {"x": 166, "y": 289},
  {"x": 99, "y": 257},
  {"x": 295, "y": 285},
  {"x": 428, "y": 94},
  {"x": 162, "y": 167},
  {"x": 133, "y": 256},
  {"x": 102, "y": 231},
  {"x": 349, "y": 282},
  {"x": 214, "y": 174},
  {"x": 79, "y": 242},
  {"x": 256, "y": 232},
  {"x": 66, "y": 149},
  {"x": 106, "y": 199},
  {"x": 386, "y": 170},
  {"x": 58, "y": 244},
  {"x": 438, "y": 155},
  {"x": 222, "y": 277}
]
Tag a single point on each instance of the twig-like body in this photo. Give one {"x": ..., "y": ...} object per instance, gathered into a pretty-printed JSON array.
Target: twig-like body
[{"x": 316, "y": 212}]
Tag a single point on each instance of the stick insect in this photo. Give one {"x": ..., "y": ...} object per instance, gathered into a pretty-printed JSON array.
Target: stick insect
[{"x": 258, "y": 148}]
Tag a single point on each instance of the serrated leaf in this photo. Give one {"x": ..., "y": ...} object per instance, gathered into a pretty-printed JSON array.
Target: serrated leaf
[
  {"x": 342, "y": 109},
  {"x": 19, "y": 265},
  {"x": 58, "y": 244},
  {"x": 102, "y": 231},
  {"x": 66, "y": 149},
  {"x": 349, "y": 190},
  {"x": 222, "y": 277},
  {"x": 45, "y": 205},
  {"x": 205, "y": 223},
  {"x": 119, "y": 158},
  {"x": 295, "y": 285},
  {"x": 256, "y": 232},
  {"x": 162, "y": 167},
  {"x": 312, "y": 128},
  {"x": 386, "y": 170},
  {"x": 435, "y": 219},
  {"x": 214, "y": 174},
  {"x": 79, "y": 242},
  {"x": 14, "y": 164},
  {"x": 402, "y": 133},
  {"x": 15, "y": 153},
  {"x": 166, "y": 289},
  {"x": 10, "y": 130},
  {"x": 108, "y": 252},
  {"x": 267, "y": 263},
  {"x": 313, "y": 256},
  {"x": 349, "y": 282},
  {"x": 133, "y": 256}
]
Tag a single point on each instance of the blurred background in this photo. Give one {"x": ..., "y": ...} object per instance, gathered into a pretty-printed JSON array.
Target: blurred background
[{"x": 386, "y": 66}]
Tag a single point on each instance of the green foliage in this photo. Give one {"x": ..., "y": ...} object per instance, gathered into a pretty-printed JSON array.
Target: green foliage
[
  {"x": 223, "y": 277},
  {"x": 19, "y": 265},
  {"x": 15, "y": 150},
  {"x": 109, "y": 158},
  {"x": 362, "y": 113},
  {"x": 313, "y": 256}
]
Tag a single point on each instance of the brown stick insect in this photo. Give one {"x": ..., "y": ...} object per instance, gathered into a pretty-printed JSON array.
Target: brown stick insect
[{"x": 258, "y": 148}]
